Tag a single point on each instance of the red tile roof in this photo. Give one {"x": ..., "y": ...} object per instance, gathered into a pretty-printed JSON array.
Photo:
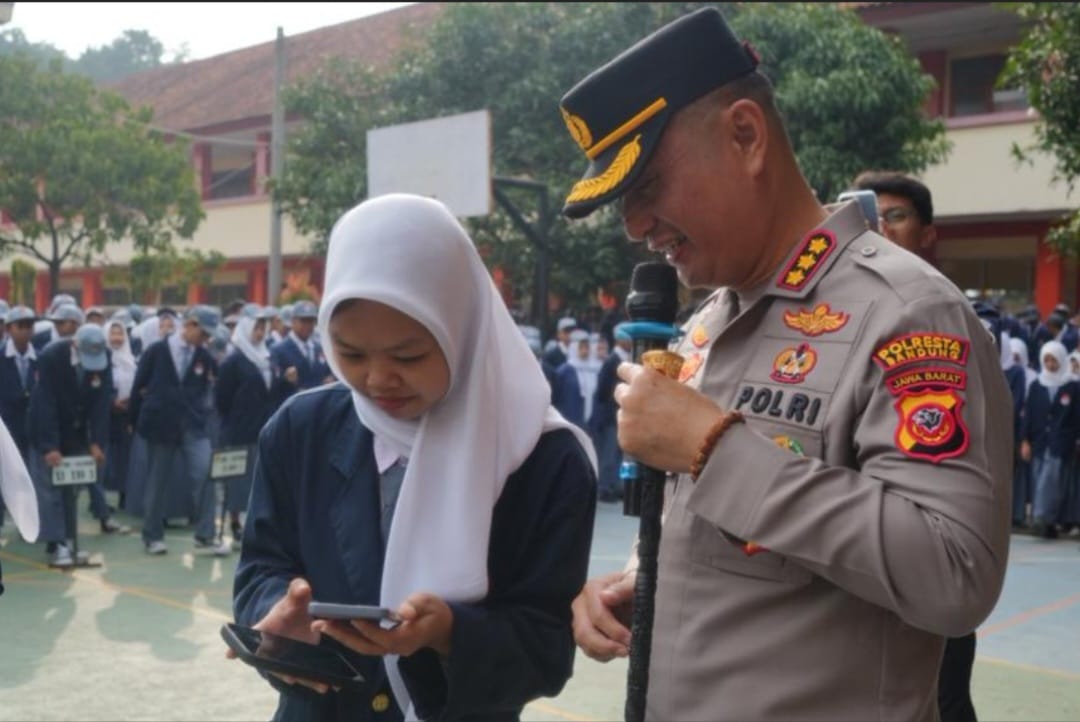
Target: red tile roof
[{"x": 239, "y": 85}]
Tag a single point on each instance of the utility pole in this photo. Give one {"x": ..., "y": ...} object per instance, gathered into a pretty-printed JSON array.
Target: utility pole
[{"x": 277, "y": 165}]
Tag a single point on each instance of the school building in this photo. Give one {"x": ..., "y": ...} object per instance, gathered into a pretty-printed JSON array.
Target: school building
[{"x": 992, "y": 214}]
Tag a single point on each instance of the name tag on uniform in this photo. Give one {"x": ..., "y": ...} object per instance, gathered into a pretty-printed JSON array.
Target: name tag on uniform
[
  {"x": 74, "y": 471},
  {"x": 228, "y": 463}
]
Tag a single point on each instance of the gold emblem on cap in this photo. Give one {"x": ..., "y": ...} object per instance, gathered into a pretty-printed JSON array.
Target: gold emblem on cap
[
  {"x": 579, "y": 131},
  {"x": 590, "y": 188},
  {"x": 380, "y": 702}
]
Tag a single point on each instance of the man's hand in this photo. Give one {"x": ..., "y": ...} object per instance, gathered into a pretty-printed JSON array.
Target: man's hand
[
  {"x": 292, "y": 375},
  {"x": 1025, "y": 451},
  {"x": 602, "y": 616},
  {"x": 290, "y": 618},
  {"x": 53, "y": 458},
  {"x": 426, "y": 621},
  {"x": 661, "y": 422},
  {"x": 97, "y": 453}
]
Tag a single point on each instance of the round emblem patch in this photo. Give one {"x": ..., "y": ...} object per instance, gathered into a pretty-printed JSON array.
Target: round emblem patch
[
  {"x": 380, "y": 702},
  {"x": 699, "y": 337},
  {"x": 793, "y": 364}
]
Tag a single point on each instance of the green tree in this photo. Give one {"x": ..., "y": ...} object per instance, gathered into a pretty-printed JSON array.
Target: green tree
[
  {"x": 133, "y": 51},
  {"x": 851, "y": 94},
  {"x": 14, "y": 42},
  {"x": 80, "y": 170},
  {"x": 1046, "y": 63}
]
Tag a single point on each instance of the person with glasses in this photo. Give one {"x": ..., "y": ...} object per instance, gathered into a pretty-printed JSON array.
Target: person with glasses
[{"x": 905, "y": 209}]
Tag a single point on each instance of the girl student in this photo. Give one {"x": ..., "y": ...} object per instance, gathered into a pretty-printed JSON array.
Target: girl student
[
  {"x": 1050, "y": 426},
  {"x": 436, "y": 480},
  {"x": 245, "y": 396}
]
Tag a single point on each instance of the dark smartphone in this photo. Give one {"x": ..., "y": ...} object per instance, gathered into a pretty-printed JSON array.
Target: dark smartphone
[
  {"x": 327, "y": 610},
  {"x": 274, "y": 653}
]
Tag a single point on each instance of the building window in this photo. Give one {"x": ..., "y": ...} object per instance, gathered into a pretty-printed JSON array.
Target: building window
[
  {"x": 234, "y": 183},
  {"x": 225, "y": 294},
  {"x": 972, "y": 84},
  {"x": 119, "y": 296},
  {"x": 174, "y": 296}
]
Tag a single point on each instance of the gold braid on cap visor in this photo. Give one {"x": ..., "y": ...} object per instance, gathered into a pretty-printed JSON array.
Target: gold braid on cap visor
[{"x": 590, "y": 188}]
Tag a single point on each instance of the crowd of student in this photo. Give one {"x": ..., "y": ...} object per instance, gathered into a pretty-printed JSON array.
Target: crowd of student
[
  {"x": 1042, "y": 365},
  {"x": 149, "y": 394}
]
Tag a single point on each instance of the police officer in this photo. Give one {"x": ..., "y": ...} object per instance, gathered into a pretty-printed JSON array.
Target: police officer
[
  {"x": 69, "y": 416},
  {"x": 299, "y": 361},
  {"x": 840, "y": 442}
]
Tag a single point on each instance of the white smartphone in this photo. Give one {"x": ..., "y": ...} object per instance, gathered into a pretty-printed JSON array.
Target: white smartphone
[{"x": 329, "y": 610}]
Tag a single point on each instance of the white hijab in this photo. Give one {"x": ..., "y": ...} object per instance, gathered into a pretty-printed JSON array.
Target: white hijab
[
  {"x": 16, "y": 488},
  {"x": 1020, "y": 358},
  {"x": 149, "y": 331},
  {"x": 410, "y": 253},
  {"x": 257, "y": 354},
  {"x": 123, "y": 362},
  {"x": 1052, "y": 381}
]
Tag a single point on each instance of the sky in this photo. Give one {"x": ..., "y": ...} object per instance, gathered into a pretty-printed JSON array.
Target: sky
[{"x": 206, "y": 28}]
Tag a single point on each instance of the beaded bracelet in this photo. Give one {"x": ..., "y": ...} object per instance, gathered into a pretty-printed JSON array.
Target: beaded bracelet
[{"x": 707, "y": 446}]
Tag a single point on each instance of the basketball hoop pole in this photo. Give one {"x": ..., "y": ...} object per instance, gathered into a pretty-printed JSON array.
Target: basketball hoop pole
[{"x": 537, "y": 233}]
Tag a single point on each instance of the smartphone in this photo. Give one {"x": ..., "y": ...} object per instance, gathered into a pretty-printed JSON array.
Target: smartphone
[
  {"x": 327, "y": 610},
  {"x": 274, "y": 653}
]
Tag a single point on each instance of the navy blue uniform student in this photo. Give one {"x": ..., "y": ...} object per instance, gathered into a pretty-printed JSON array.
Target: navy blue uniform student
[
  {"x": 1050, "y": 426},
  {"x": 66, "y": 319},
  {"x": 18, "y": 372},
  {"x": 437, "y": 481},
  {"x": 298, "y": 361},
  {"x": 69, "y": 416},
  {"x": 603, "y": 424},
  {"x": 246, "y": 395},
  {"x": 169, "y": 409}
]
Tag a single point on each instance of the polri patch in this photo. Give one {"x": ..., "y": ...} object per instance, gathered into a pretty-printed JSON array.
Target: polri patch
[
  {"x": 817, "y": 322},
  {"x": 922, "y": 346},
  {"x": 793, "y": 364},
  {"x": 815, "y": 248},
  {"x": 931, "y": 425}
]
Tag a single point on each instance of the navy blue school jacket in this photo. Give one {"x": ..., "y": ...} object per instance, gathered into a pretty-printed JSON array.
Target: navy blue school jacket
[
  {"x": 41, "y": 339},
  {"x": 67, "y": 415},
  {"x": 243, "y": 401},
  {"x": 566, "y": 395},
  {"x": 286, "y": 354},
  {"x": 15, "y": 398},
  {"x": 161, "y": 407},
  {"x": 314, "y": 513},
  {"x": 604, "y": 406},
  {"x": 1052, "y": 425}
]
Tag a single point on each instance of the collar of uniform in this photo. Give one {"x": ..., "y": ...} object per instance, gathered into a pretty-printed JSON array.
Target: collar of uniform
[
  {"x": 11, "y": 352},
  {"x": 812, "y": 257}
]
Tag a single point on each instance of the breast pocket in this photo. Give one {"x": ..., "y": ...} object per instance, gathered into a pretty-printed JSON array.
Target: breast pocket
[{"x": 714, "y": 548}]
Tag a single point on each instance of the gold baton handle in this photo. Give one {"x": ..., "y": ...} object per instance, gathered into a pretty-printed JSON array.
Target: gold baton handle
[{"x": 668, "y": 363}]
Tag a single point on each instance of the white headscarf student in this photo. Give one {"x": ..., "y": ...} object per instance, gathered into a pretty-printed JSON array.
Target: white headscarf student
[
  {"x": 257, "y": 354},
  {"x": 1053, "y": 379},
  {"x": 1074, "y": 366},
  {"x": 123, "y": 361},
  {"x": 405, "y": 265},
  {"x": 1021, "y": 358}
]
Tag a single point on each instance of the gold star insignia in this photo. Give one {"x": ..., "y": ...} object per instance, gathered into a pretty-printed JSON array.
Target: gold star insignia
[
  {"x": 819, "y": 245},
  {"x": 794, "y": 278},
  {"x": 806, "y": 261}
]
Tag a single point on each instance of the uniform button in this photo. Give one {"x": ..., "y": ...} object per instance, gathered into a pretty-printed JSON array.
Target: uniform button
[
  {"x": 869, "y": 251},
  {"x": 380, "y": 702}
]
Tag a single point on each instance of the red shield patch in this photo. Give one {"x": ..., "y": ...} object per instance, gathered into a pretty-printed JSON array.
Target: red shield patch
[{"x": 931, "y": 426}]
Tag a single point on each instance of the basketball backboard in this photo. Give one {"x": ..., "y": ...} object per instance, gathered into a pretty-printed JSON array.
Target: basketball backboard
[{"x": 447, "y": 158}]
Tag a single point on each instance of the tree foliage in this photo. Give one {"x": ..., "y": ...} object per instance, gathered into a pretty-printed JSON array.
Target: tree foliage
[
  {"x": 80, "y": 170},
  {"x": 131, "y": 52},
  {"x": 1047, "y": 63},
  {"x": 852, "y": 97}
]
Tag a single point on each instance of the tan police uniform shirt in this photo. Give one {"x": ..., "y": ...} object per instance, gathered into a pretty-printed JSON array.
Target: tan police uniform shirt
[{"x": 862, "y": 512}]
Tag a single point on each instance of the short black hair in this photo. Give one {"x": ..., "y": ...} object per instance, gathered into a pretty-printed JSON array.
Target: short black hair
[{"x": 898, "y": 184}]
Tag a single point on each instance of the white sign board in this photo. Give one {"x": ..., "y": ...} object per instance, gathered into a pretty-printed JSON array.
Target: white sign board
[
  {"x": 228, "y": 464},
  {"x": 75, "y": 470},
  {"x": 448, "y": 159}
]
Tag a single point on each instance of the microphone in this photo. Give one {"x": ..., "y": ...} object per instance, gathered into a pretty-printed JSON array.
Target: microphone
[{"x": 651, "y": 305}]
